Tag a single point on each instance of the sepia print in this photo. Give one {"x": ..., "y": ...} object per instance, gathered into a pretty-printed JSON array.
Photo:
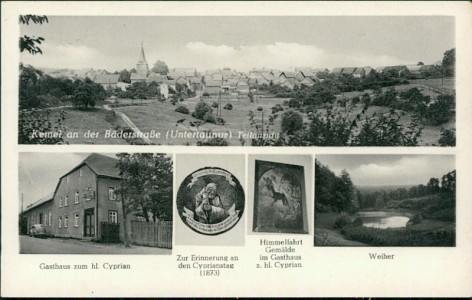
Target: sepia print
[
  {"x": 237, "y": 81},
  {"x": 385, "y": 200},
  {"x": 279, "y": 198}
]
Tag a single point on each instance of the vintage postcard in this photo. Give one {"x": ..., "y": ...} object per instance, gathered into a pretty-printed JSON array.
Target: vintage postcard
[
  {"x": 224, "y": 81},
  {"x": 236, "y": 148}
]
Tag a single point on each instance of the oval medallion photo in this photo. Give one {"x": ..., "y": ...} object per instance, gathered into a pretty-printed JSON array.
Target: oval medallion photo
[{"x": 210, "y": 201}]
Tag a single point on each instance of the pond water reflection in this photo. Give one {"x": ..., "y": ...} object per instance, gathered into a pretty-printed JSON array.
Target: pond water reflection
[{"x": 382, "y": 220}]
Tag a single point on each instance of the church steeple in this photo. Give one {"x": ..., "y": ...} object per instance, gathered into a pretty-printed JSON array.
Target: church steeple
[{"x": 142, "y": 65}]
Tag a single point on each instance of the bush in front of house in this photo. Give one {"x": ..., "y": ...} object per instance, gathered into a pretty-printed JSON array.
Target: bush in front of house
[
  {"x": 228, "y": 106},
  {"x": 182, "y": 109}
]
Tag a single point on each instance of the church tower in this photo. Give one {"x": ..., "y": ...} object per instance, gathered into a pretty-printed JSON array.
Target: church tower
[{"x": 142, "y": 65}]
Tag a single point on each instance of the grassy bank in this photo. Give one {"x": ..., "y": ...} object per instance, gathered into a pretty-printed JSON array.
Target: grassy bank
[
  {"x": 432, "y": 234},
  {"x": 426, "y": 233}
]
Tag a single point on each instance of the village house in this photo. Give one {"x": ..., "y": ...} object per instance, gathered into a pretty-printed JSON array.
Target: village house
[
  {"x": 108, "y": 81},
  {"x": 213, "y": 87},
  {"x": 359, "y": 73},
  {"x": 242, "y": 87},
  {"x": 184, "y": 72},
  {"x": 84, "y": 204}
]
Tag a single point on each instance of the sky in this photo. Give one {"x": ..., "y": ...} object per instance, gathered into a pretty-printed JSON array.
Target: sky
[
  {"x": 377, "y": 170},
  {"x": 39, "y": 173},
  {"x": 241, "y": 43}
]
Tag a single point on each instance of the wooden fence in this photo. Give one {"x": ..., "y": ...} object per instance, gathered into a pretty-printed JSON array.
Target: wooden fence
[{"x": 157, "y": 234}]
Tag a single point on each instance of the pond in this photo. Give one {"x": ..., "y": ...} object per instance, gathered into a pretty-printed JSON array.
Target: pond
[{"x": 382, "y": 220}]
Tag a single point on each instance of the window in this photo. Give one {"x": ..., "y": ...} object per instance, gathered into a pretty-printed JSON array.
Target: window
[
  {"x": 111, "y": 193},
  {"x": 60, "y": 201},
  {"x": 60, "y": 222},
  {"x": 112, "y": 216},
  {"x": 80, "y": 172},
  {"x": 76, "y": 220},
  {"x": 66, "y": 200},
  {"x": 67, "y": 179},
  {"x": 50, "y": 218},
  {"x": 66, "y": 222},
  {"x": 76, "y": 197}
]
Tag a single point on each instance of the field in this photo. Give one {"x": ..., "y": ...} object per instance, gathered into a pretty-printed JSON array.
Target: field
[
  {"x": 152, "y": 115},
  {"x": 80, "y": 122},
  {"x": 161, "y": 116}
]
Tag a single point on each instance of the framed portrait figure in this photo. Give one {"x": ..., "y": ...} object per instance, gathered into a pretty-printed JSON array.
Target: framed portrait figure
[{"x": 279, "y": 198}]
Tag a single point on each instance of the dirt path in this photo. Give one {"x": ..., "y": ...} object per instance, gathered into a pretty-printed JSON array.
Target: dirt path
[
  {"x": 330, "y": 237},
  {"x": 131, "y": 124}
]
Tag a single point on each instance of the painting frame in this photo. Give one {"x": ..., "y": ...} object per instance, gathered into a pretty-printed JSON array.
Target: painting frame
[{"x": 294, "y": 173}]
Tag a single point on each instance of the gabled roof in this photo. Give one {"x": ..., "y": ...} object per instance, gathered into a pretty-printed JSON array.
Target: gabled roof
[
  {"x": 136, "y": 76},
  {"x": 359, "y": 71},
  {"x": 368, "y": 70},
  {"x": 253, "y": 80},
  {"x": 307, "y": 81},
  {"x": 106, "y": 78},
  {"x": 101, "y": 165},
  {"x": 185, "y": 71},
  {"x": 413, "y": 68},
  {"x": 214, "y": 83},
  {"x": 217, "y": 76},
  {"x": 288, "y": 74},
  {"x": 348, "y": 70},
  {"x": 40, "y": 202},
  {"x": 156, "y": 78},
  {"x": 195, "y": 79},
  {"x": 231, "y": 82},
  {"x": 396, "y": 68},
  {"x": 337, "y": 70}
]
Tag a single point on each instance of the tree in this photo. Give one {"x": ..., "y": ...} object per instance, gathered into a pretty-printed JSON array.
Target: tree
[
  {"x": 420, "y": 63},
  {"x": 146, "y": 185},
  {"x": 125, "y": 76},
  {"x": 201, "y": 110},
  {"x": 87, "y": 93},
  {"x": 449, "y": 62},
  {"x": 160, "y": 67},
  {"x": 28, "y": 87},
  {"x": 448, "y": 137},
  {"x": 433, "y": 186},
  {"x": 292, "y": 121},
  {"x": 30, "y": 43}
]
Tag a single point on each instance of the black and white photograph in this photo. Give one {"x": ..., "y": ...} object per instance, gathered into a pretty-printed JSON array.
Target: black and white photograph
[
  {"x": 280, "y": 199},
  {"x": 385, "y": 200},
  {"x": 236, "y": 149},
  {"x": 237, "y": 81},
  {"x": 210, "y": 199},
  {"x": 280, "y": 187},
  {"x": 95, "y": 203}
]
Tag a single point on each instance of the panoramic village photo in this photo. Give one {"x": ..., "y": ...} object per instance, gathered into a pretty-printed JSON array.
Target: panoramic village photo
[
  {"x": 385, "y": 200},
  {"x": 90, "y": 203},
  {"x": 237, "y": 81}
]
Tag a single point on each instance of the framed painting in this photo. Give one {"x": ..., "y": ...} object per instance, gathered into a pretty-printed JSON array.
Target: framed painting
[{"x": 279, "y": 198}]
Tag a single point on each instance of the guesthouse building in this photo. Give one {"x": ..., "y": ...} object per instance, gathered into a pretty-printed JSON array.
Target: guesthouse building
[{"x": 84, "y": 204}]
